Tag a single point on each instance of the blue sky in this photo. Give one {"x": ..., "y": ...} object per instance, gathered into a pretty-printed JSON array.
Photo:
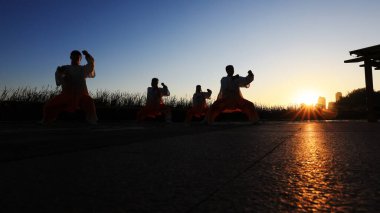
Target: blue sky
[{"x": 292, "y": 45}]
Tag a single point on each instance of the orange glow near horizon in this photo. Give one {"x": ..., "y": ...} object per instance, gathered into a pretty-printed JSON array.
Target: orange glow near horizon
[{"x": 307, "y": 97}]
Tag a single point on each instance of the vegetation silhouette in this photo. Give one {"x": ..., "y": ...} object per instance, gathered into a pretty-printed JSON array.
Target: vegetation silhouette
[
  {"x": 357, "y": 99},
  {"x": 354, "y": 104},
  {"x": 25, "y": 103}
]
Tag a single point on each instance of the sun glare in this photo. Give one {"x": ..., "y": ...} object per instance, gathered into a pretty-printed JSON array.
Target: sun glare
[{"x": 307, "y": 97}]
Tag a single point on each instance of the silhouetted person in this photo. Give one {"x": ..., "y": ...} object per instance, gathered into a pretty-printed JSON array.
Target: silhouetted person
[
  {"x": 74, "y": 95},
  {"x": 230, "y": 97},
  {"x": 199, "y": 107},
  {"x": 154, "y": 103}
]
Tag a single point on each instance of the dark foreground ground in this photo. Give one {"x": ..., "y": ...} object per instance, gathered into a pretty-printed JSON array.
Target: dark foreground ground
[{"x": 125, "y": 167}]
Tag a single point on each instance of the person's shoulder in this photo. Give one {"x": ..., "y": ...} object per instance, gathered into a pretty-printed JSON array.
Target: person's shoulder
[
  {"x": 65, "y": 67},
  {"x": 225, "y": 79}
]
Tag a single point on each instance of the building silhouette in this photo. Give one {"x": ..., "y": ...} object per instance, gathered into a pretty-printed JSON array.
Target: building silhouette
[
  {"x": 331, "y": 106},
  {"x": 321, "y": 102},
  {"x": 338, "y": 96}
]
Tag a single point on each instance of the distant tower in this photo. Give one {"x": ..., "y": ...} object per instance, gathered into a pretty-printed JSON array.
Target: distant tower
[
  {"x": 321, "y": 102},
  {"x": 331, "y": 106},
  {"x": 338, "y": 96}
]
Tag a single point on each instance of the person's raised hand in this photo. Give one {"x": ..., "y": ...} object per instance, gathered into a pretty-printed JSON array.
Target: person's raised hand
[{"x": 85, "y": 52}]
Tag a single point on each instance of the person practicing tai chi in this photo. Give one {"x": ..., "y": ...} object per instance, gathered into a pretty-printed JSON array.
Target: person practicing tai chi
[
  {"x": 74, "y": 95},
  {"x": 230, "y": 98},
  {"x": 154, "y": 103},
  {"x": 199, "y": 107}
]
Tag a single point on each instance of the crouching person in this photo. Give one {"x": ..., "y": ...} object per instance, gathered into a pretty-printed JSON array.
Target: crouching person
[
  {"x": 230, "y": 98},
  {"x": 74, "y": 95},
  {"x": 154, "y": 102},
  {"x": 199, "y": 106}
]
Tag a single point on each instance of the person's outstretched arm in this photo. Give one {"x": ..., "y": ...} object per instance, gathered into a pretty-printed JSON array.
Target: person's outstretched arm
[
  {"x": 164, "y": 90},
  {"x": 245, "y": 81},
  {"x": 207, "y": 94},
  {"x": 89, "y": 68}
]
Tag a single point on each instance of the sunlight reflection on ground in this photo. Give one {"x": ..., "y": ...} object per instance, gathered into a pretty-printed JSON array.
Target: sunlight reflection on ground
[{"x": 313, "y": 183}]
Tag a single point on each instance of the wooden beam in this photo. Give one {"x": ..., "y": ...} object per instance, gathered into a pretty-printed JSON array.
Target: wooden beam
[
  {"x": 367, "y": 50},
  {"x": 372, "y": 63},
  {"x": 354, "y": 60},
  {"x": 369, "y": 92},
  {"x": 374, "y": 56}
]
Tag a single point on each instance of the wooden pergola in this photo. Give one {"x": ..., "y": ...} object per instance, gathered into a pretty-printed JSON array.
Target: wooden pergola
[{"x": 371, "y": 58}]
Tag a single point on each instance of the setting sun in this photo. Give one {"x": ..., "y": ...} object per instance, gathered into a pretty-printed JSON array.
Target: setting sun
[{"x": 307, "y": 97}]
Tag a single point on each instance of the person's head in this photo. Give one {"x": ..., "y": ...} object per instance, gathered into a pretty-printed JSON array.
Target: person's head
[
  {"x": 230, "y": 70},
  {"x": 75, "y": 57},
  {"x": 198, "y": 88},
  {"x": 154, "y": 82}
]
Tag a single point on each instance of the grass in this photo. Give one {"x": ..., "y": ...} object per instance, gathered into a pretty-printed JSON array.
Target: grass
[
  {"x": 28, "y": 94},
  {"x": 102, "y": 98},
  {"x": 26, "y": 103}
]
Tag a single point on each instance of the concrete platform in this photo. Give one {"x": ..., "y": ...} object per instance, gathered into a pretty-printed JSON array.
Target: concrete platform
[{"x": 125, "y": 167}]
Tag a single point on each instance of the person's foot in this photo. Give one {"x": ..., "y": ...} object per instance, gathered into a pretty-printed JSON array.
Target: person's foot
[
  {"x": 204, "y": 121},
  {"x": 92, "y": 122},
  {"x": 255, "y": 121},
  {"x": 209, "y": 122},
  {"x": 45, "y": 123}
]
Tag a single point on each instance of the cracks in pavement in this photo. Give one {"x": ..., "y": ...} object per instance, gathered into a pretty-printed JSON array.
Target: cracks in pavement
[{"x": 281, "y": 141}]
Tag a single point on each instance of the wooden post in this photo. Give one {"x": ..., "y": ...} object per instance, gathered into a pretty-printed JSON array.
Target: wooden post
[{"x": 369, "y": 90}]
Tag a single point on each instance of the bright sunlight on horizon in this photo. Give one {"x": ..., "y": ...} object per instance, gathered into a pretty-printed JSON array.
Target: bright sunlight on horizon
[{"x": 307, "y": 97}]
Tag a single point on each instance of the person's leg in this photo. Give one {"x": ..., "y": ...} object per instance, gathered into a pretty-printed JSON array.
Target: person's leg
[
  {"x": 167, "y": 113},
  {"x": 88, "y": 106},
  {"x": 216, "y": 108},
  {"x": 140, "y": 115},
  {"x": 54, "y": 107},
  {"x": 196, "y": 111},
  {"x": 249, "y": 109},
  {"x": 189, "y": 115},
  {"x": 204, "y": 113},
  {"x": 145, "y": 112}
]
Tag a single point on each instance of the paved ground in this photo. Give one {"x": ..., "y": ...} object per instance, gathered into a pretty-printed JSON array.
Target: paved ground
[{"x": 115, "y": 167}]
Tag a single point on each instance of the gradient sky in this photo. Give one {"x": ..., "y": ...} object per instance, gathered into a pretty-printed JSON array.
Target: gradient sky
[{"x": 292, "y": 46}]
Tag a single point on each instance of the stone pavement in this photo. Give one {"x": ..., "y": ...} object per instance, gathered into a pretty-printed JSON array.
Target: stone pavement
[{"x": 116, "y": 167}]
